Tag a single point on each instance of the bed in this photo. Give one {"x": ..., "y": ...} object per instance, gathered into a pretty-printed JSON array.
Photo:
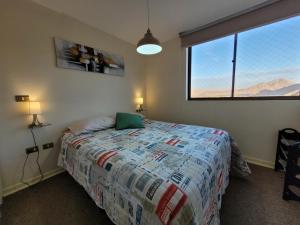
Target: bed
[{"x": 166, "y": 173}]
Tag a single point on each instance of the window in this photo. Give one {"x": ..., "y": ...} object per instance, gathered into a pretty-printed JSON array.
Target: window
[{"x": 261, "y": 63}]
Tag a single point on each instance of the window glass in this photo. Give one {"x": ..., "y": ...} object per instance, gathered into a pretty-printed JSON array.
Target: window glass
[
  {"x": 267, "y": 63},
  {"x": 268, "y": 60},
  {"x": 211, "y": 68}
]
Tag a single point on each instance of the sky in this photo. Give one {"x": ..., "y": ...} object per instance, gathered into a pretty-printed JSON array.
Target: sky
[{"x": 263, "y": 54}]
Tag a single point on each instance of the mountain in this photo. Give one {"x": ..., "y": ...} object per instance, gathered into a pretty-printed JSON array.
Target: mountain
[
  {"x": 267, "y": 86},
  {"x": 278, "y": 87},
  {"x": 292, "y": 90}
]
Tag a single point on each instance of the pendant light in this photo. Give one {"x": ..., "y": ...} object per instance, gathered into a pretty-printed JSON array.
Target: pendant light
[{"x": 148, "y": 45}]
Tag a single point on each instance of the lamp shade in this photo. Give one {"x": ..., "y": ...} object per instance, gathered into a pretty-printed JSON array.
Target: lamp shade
[
  {"x": 34, "y": 108},
  {"x": 140, "y": 101},
  {"x": 148, "y": 45}
]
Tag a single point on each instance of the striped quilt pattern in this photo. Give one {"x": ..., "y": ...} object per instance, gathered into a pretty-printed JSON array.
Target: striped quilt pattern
[{"x": 163, "y": 174}]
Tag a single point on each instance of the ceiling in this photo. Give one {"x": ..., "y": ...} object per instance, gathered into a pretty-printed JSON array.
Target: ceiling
[{"x": 127, "y": 19}]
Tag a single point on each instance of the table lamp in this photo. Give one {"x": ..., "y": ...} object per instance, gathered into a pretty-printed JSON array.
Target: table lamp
[
  {"x": 140, "y": 102},
  {"x": 34, "y": 110}
]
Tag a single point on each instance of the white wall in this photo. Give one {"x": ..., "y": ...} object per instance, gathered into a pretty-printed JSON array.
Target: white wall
[
  {"x": 27, "y": 66},
  {"x": 254, "y": 124}
]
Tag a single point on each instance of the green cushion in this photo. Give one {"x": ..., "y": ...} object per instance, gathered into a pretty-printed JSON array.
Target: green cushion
[{"x": 128, "y": 121}]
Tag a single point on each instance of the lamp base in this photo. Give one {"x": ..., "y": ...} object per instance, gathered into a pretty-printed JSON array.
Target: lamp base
[
  {"x": 35, "y": 122},
  {"x": 140, "y": 109}
]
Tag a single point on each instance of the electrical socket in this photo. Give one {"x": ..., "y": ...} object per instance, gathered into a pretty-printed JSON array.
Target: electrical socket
[
  {"x": 48, "y": 145},
  {"x": 31, "y": 149},
  {"x": 22, "y": 98}
]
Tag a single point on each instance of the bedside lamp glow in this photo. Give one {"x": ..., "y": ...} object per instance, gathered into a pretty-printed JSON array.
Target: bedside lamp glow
[
  {"x": 34, "y": 110},
  {"x": 140, "y": 102}
]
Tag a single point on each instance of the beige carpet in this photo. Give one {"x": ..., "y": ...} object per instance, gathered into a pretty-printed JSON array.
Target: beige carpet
[{"x": 61, "y": 201}]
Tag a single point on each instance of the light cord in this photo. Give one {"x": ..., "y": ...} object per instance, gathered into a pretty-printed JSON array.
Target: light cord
[
  {"x": 36, "y": 160},
  {"x": 148, "y": 12},
  {"x": 23, "y": 172},
  {"x": 38, "y": 156}
]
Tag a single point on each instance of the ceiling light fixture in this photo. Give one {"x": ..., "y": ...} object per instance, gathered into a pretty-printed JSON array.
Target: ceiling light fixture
[{"x": 148, "y": 45}]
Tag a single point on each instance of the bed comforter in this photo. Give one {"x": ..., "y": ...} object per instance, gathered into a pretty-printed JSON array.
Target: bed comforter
[{"x": 164, "y": 174}]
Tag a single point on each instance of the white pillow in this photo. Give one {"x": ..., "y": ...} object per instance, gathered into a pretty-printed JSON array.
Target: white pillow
[{"x": 92, "y": 124}]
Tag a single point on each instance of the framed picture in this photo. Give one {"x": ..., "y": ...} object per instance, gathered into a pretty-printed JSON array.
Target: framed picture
[{"x": 70, "y": 55}]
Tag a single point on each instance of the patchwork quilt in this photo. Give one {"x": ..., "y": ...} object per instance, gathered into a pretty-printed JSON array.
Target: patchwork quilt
[{"x": 164, "y": 174}]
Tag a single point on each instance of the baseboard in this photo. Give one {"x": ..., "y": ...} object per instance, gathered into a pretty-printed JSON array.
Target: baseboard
[
  {"x": 259, "y": 162},
  {"x": 20, "y": 186}
]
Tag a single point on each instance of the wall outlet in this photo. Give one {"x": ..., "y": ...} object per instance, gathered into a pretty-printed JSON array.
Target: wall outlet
[
  {"x": 22, "y": 98},
  {"x": 31, "y": 149},
  {"x": 48, "y": 145}
]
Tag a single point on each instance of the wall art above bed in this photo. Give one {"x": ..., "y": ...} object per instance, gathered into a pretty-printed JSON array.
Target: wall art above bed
[{"x": 70, "y": 55}]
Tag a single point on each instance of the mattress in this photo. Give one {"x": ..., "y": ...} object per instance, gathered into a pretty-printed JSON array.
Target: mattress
[{"x": 164, "y": 174}]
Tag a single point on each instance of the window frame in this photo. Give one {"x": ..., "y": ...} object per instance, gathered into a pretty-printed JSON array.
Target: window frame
[{"x": 189, "y": 78}]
